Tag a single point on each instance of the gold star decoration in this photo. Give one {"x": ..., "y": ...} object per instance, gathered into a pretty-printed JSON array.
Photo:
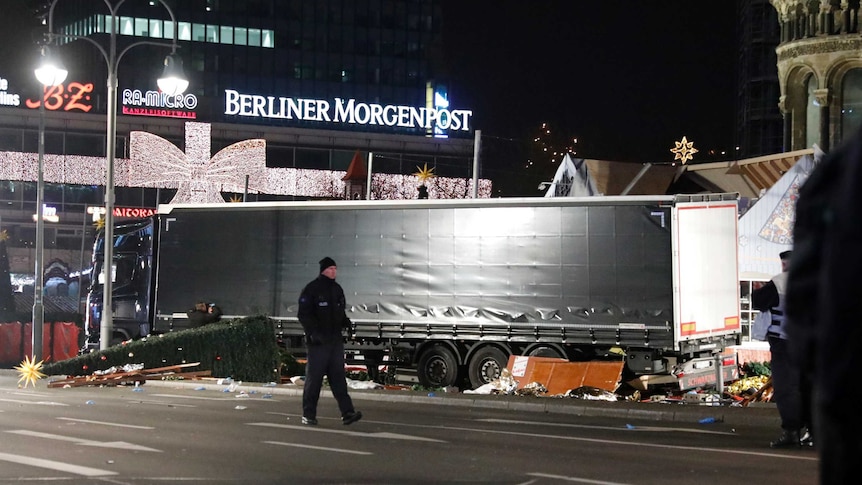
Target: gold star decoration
[
  {"x": 235, "y": 198},
  {"x": 30, "y": 371},
  {"x": 100, "y": 224},
  {"x": 424, "y": 173},
  {"x": 684, "y": 150},
  {"x": 4, "y": 236}
]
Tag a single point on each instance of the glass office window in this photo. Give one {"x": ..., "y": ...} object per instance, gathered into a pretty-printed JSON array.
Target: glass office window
[
  {"x": 240, "y": 36},
  {"x": 310, "y": 158},
  {"x": 199, "y": 32},
  {"x": 127, "y": 26},
  {"x": 10, "y": 139},
  {"x": 278, "y": 156},
  {"x": 254, "y": 37},
  {"x": 212, "y": 33},
  {"x": 185, "y": 30},
  {"x": 156, "y": 28},
  {"x": 142, "y": 28},
  {"x": 226, "y": 35},
  {"x": 168, "y": 30}
]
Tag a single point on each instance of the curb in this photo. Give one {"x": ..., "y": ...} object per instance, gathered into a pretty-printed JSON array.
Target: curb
[
  {"x": 761, "y": 415},
  {"x": 756, "y": 415}
]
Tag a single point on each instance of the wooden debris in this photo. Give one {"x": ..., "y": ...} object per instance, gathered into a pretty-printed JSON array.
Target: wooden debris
[
  {"x": 171, "y": 372},
  {"x": 764, "y": 394}
]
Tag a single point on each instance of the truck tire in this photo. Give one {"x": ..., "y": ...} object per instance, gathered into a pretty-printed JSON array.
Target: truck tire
[
  {"x": 438, "y": 367},
  {"x": 485, "y": 366}
]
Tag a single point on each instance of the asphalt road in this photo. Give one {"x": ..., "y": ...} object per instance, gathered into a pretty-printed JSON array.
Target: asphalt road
[{"x": 189, "y": 432}]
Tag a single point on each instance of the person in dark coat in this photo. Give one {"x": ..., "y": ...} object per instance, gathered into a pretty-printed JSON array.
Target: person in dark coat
[
  {"x": 203, "y": 314},
  {"x": 322, "y": 315},
  {"x": 824, "y": 288},
  {"x": 790, "y": 393}
]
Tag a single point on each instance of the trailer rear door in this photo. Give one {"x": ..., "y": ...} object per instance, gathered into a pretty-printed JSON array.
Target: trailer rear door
[{"x": 706, "y": 280}]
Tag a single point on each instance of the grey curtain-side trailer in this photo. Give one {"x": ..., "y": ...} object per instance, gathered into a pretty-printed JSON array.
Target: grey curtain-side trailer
[{"x": 452, "y": 288}]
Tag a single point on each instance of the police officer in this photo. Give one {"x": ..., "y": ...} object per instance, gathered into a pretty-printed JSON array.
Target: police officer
[
  {"x": 322, "y": 315},
  {"x": 786, "y": 373}
]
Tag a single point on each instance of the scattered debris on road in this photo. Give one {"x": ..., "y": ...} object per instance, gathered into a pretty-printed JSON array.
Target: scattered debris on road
[{"x": 131, "y": 374}]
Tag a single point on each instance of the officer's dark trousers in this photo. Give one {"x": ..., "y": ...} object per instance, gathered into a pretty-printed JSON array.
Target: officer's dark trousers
[
  {"x": 786, "y": 380},
  {"x": 325, "y": 360}
]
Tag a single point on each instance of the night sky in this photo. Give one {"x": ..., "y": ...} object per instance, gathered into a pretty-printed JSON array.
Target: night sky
[{"x": 626, "y": 77}]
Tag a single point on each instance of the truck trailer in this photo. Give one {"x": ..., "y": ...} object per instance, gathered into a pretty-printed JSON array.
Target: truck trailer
[{"x": 452, "y": 288}]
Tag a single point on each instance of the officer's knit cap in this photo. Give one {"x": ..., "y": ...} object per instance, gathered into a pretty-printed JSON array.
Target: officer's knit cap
[{"x": 326, "y": 262}]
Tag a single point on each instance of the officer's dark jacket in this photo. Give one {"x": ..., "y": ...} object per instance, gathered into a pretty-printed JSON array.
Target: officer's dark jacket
[
  {"x": 199, "y": 318},
  {"x": 321, "y": 311}
]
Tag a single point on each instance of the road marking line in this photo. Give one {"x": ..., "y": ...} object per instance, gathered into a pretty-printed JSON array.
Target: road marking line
[
  {"x": 56, "y": 465},
  {"x": 31, "y": 393},
  {"x": 322, "y": 448},
  {"x": 629, "y": 443},
  {"x": 201, "y": 398},
  {"x": 594, "y": 440},
  {"x": 233, "y": 397},
  {"x": 121, "y": 445},
  {"x": 107, "y": 424},
  {"x": 610, "y": 428},
  {"x": 169, "y": 404},
  {"x": 393, "y": 436},
  {"x": 37, "y": 403},
  {"x": 573, "y": 479}
]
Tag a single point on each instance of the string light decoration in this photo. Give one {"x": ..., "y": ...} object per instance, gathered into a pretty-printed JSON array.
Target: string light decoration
[
  {"x": 156, "y": 162},
  {"x": 684, "y": 150}
]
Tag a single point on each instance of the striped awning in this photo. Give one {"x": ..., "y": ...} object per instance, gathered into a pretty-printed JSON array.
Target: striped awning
[{"x": 749, "y": 177}]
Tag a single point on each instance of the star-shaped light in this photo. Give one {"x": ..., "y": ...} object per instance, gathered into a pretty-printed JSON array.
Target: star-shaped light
[
  {"x": 4, "y": 236},
  {"x": 30, "y": 371},
  {"x": 684, "y": 150},
  {"x": 100, "y": 224},
  {"x": 424, "y": 173},
  {"x": 235, "y": 198}
]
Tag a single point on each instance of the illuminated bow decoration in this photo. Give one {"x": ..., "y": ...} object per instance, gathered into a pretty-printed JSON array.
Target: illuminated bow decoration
[{"x": 156, "y": 162}]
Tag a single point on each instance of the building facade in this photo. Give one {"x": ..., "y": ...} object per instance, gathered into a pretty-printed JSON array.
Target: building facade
[
  {"x": 819, "y": 61},
  {"x": 306, "y": 84}
]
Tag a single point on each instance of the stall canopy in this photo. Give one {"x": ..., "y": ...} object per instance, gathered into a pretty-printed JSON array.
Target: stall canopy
[
  {"x": 749, "y": 177},
  {"x": 572, "y": 179},
  {"x": 766, "y": 229}
]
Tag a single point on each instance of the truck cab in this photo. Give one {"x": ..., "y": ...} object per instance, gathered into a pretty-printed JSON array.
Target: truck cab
[{"x": 131, "y": 274}]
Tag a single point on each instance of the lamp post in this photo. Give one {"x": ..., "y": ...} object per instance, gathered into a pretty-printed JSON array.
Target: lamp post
[
  {"x": 49, "y": 73},
  {"x": 172, "y": 82}
]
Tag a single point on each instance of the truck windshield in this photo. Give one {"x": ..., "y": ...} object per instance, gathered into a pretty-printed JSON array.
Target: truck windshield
[{"x": 132, "y": 244}]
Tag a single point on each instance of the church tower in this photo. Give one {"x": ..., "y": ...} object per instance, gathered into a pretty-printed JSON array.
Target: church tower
[{"x": 819, "y": 71}]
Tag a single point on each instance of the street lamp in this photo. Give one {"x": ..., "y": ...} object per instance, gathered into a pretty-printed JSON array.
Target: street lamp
[
  {"x": 50, "y": 73},
  {"x": 172, "y": 82}
]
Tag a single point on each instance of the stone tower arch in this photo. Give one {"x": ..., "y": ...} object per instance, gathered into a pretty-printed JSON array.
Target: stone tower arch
[{"x": 820, "y": 44}]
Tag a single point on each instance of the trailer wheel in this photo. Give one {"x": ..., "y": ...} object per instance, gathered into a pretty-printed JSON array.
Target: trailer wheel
[
  {"x": 438, "y": 367},
  {"x": 546, "y": 351},
  {"x": 486, "y": 365}
]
